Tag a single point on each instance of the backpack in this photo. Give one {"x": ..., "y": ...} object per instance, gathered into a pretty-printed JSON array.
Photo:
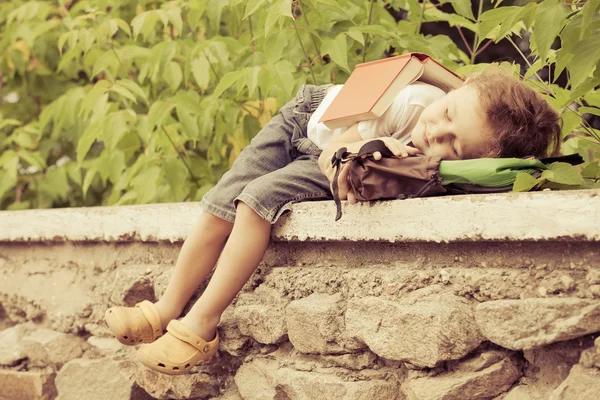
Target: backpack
[{"x": 420, "y": 176}]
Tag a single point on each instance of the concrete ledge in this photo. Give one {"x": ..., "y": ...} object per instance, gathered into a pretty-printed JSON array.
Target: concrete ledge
[{"x": 564, "y": 215}]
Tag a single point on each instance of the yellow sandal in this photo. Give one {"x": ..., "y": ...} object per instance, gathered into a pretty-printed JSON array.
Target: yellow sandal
[
  {"x": 134, "y": 325},
  {"x": 177, "y": 351}
]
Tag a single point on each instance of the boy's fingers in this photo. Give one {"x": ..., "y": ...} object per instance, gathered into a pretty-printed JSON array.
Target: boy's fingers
[
  {"x": 413, "y": 151},
  {"x": 351, "y": 197}
]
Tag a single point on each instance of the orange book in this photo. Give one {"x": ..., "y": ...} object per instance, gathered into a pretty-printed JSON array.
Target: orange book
[{"x": 372, "y": 87}]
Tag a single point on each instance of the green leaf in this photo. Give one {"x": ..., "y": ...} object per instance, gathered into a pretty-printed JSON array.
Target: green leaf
[
  {"x": 123, "y": 25},
  {"x": 116, "y": 166},
  {"x": 176, "y": 174},
  {"x": 284, "y": 72},
  {"x": 56, "y": 183},
  {"x": 549, "y": 20},
  {"x": 200, "y": 71},
  {"x": 190, "y": 123},
  {"x": 173, "y": 75},
  {"x": 591, "y": 171},
  {"x": 252, "y": 6},
  {"x": 120, "y": 90},
  {"x": 493, "y": 19},
  {"x": 226, "y": 81},
  {"x": 158, "y": 112},
  {"x": 586, "y": 55},
  {"x": 589, "y": 9},
  {"x": 337, "y": 50},
  {"x": 174, "y": 15},
  {"x": 564, "y": 173},
  {"x": 252, "y": 79},
  {"x": 86, "y": 140},
  {"x": 277, "y": 10},
  {"x": 524, "y": 182},
  {"x": 70, "y": 36},
  {"x": 87, "y": 181},
  {"x": 570, "y": 121},
  {"x": 357, "y": 35},
  {"x": 144, "y": 23},
  {"x": 463, "y": 7},
  {"x": 589, "y": 110},
  {"x": 145, "y": 183},
  {"x": 134, "y": 88},
  {"x": 105, "y": 61}
]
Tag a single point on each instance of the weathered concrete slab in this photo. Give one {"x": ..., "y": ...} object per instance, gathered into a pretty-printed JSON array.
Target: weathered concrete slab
[{"x": 508, "y": 217}]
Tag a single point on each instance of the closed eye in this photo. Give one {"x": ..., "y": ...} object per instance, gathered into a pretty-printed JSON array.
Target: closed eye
[
  {"x": 446, "y": 114},
  {"x": 454, "y": 150}
]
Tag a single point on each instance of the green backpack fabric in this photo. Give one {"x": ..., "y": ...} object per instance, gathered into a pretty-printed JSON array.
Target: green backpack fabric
[{"x": 420, "y": 176}]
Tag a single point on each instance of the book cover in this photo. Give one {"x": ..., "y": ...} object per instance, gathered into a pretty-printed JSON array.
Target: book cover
[{"x": 365, "y": 94}]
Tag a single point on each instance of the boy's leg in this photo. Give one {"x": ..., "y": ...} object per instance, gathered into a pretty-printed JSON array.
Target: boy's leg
[
  {"x": 258, "y": 206},
  {"x": 242, "y": 253},
  {"x": 196, "y": 259}
]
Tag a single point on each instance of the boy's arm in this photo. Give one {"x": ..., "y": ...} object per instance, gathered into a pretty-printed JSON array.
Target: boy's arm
[{"x": 353, "y": 141}]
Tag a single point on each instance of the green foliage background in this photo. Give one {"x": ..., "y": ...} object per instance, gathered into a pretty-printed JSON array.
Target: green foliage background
[{"x": 104, "y": 102}]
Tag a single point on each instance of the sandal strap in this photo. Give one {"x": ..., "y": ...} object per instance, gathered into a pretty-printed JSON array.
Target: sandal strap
[
  {"x": 182, "y": 332},
  {"x": 151, "y": 314}
]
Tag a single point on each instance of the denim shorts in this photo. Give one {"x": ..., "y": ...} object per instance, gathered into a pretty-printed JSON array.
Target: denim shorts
[{"x": 279, "y": 166}]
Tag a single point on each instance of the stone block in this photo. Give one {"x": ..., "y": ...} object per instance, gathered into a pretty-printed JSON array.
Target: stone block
[
  {"x": 45, "y": 347},
  {"x": 529, "y": 323},
  {"x": 421, "y": 330},
  {"x": 261, "y": 315},
  {"x": 11, "y": 350},
  {"x": 98, "y": 379},
  {"x": 581, "y": 384},
  {"x": 549, "y": 366},
  {"x": 256, "y": 379},
  {"x": 315, "y": 324},
  {"x": 302, "y": 385},
  {"x": 100, "y": 347},
  {"x": 231, "y": 339},
  {"x": 30, "y": 385},
  {"x": 474, "y": 379},
  {"x": 133, "y": 284},
  {"x": 189, "y": 386}
]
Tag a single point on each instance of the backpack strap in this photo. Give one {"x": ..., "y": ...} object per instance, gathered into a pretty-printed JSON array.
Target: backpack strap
[
  {"x": 573, "y": 159},
  {"x": 342, "y": 156}
]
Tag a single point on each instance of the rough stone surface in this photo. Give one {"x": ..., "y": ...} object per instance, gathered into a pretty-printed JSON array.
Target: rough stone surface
[
  {"x": 11, "y": 351},
  {"x": 262, "y": 315},
  {"x": 480, "y": 377},
  {"x": 231, "y": 339},
  {"x": 98, "y": 379},
  {"x": 302, "y": 385},
  {"x": 100, "y": 347},
  {"x": 514, "y": 216},
  {"x": 256, "y": 379},
  {"x": 32, "y": 385},
  {"x": 45, "y": 347},
  {"x": 529, "y": 323},
  {"x": 315, "y": 324},
  {"x": 188, "y": 386},
  {"x": 581, "y": 384},
  {"x": 420, "y": 329}
]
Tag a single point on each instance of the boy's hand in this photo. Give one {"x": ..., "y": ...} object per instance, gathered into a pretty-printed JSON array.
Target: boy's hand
[
  {"x": 344, "y": 190},
  {"x": 397, "y": 148}
]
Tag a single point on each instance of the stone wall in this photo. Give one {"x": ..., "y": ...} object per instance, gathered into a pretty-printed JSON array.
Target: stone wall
[{"x": 466, "y": 297}]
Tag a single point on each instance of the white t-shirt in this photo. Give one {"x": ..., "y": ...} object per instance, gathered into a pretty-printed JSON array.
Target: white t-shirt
[{"x": 397, "y": 121}]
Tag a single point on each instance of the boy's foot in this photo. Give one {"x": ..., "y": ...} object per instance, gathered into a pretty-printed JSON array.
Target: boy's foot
[
  {"x": 134, "y": 325},
  {"x": 178, "y": 350}
]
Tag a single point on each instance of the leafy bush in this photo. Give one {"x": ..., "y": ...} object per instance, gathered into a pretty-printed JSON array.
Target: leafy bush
[{"x": 109, "y": 102}]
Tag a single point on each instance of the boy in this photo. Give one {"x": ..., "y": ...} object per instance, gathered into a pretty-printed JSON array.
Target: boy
[{"x": 491, "y": 115}]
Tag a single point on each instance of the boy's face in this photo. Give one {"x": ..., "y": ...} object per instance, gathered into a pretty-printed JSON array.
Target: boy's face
[{"x": 453, "y": 127}]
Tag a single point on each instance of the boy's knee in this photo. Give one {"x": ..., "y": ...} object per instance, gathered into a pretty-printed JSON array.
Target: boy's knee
[{"x": 213, "y": 225}]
